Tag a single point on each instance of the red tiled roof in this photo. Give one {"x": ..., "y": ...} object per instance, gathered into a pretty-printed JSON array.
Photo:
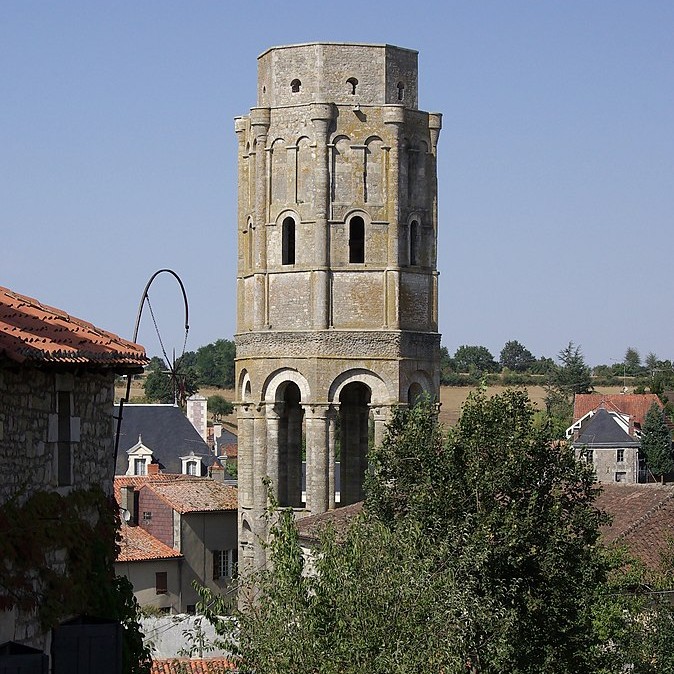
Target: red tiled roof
[
  {"x": 35, "y": 333},
  {"x": 643, "y": 518},
  {"x": 196, "y": 495},
  {"x": 187, "y": 666},
  {"x": 137, "y": 481},
  {"x": 137, "y": 545},
  {"x": 634, "y": 404},
  {"x": 309, "y": 528}
]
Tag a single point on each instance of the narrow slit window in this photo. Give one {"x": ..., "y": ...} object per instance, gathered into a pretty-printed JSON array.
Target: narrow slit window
[
  {"x": 64, "y": 448},
  {"x": 295, "y": 86},
  {"x": 357, "y": 240},
  {"x": 288, "y": 244},
  {"x": 353, "y": 83},
  {"x": 414, "y": 242}
]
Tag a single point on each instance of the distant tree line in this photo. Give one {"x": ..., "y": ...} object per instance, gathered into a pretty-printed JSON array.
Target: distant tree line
[
  {"x": 472, "y": 364},
  {"x": 211, "y": 366}
]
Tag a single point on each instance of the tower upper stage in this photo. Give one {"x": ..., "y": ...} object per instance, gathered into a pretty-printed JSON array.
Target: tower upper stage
[{"x": 342, "y": 73}]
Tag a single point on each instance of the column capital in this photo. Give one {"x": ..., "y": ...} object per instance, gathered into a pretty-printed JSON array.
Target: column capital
[
  {"x": 319, "y": 410},
  {"x": 322, "y": 112},
  {"x": 394, "y": 114},
  {"x": 260, "y": 119}
]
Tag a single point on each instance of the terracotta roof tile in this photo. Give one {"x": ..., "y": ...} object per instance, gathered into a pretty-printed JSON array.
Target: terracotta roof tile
[
  {"x": 137, "y": 481},
  {"x": 198, "y": 495},
  {"x": 634, "y": 404},
  {"x": 137, "y": 545},
  {"x": 31, "y": 332},
  {"x": 309, "y": 528},
  {"x": 192, "y": 666},
  {"x": 643, "y": 518}
]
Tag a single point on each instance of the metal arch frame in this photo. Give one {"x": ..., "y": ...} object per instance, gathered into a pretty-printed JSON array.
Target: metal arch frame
[{"x": 144, "y": 296}]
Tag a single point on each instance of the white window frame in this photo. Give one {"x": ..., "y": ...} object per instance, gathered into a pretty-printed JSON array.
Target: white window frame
[{"x": 224, "y": 563}]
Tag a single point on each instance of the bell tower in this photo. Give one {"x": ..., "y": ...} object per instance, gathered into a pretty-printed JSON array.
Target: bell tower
[{"x": 337, "y": 305}]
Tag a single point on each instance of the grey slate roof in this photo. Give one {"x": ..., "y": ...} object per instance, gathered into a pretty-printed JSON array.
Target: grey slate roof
[
  {"x": 166, "y": 431},
  {"x": 225, "y": 440},
  {"x": 601, "y": 430}
]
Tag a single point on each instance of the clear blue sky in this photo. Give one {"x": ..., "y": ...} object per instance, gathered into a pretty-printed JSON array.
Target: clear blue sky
[{"x": 556, "y": 160}]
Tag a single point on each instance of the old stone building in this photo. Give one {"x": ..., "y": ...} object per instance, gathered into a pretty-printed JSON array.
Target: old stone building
[{"x": 337, "y": 277}]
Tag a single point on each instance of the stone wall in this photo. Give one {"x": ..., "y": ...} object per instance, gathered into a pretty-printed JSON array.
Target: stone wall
[{"x": 28, "y": 411}]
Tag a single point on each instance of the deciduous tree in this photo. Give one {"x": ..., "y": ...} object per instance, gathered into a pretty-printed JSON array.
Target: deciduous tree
[
  {"x": 474, "y": 359},
  {"x": 219, "y": 407},
  {"x": 516, "y": 357},
  {"x": 656, "y": 442},
  {"x": 475, "y": 553}
]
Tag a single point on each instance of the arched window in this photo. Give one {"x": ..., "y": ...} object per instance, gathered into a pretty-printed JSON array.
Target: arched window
[
  {"x": 353, "y": 82},
  {"x": 357, "y": 239},
  {"x": 288, "y": 243},
  {"x": 295, "y": 86},
  {"x": 401, "y": 91},
  {"x": 414, "y": 242}
]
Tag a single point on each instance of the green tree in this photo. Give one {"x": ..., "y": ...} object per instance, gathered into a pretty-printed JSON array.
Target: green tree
[
  {"x": 165, "y": 386},
  {"x": 572, "y": 375},
  {"x": 651, "y": 362},
  {"x": 656, "y": 442},
  {"x": 215, "y": 364},
  {"x": 474, "y": 359},
  {"x": 516, "y": 357},
  {"x": 475, "y": 553},
  {"x": 632, "y": 361},
  {"x": 219, "y": 407}
]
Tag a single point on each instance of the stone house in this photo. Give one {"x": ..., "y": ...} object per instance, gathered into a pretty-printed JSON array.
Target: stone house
[
  {"x": 56, "y": 414},
  {"x": 606, "y": 431},
  {"x": 179, "y": 529}
]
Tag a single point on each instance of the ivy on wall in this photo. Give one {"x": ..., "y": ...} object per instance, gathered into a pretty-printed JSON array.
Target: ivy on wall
[{"x": 57, "y": 556}]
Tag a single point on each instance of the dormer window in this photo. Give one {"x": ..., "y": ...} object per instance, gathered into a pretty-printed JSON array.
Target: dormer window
[
  {"x": 140, "y": 457},
  {"x": 353, "y": 83},
  {"x": 295, "y": 86},
  {"x": 191, "y": 465}
]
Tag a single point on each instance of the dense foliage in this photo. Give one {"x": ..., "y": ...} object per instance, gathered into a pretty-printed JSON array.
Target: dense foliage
[
  {"x": 79, "y": 528},
  {"x": 219, "y": 407},
  {"x": 656, "y": 442},
  {"x": 475, "y": 553}
]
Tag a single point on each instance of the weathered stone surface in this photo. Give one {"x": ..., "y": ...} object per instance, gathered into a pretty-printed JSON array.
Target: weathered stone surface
[{"x": 336, "y": 279}]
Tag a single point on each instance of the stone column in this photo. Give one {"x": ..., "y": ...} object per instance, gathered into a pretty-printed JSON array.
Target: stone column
[
  {"x": 333, "y": 417},
  {"x": 321, "y": 117},
  {"x": 259, "y": 489},
  {"x": 394, "y": 116},
  {"x": 259, "y": 121},
  {"x": 274, "y": 458},
  {"x": 434, "y": 126},
  {"x": 318, "y": 480},
  {"x": 245, "y": 454},
  {"x": 381, "y": 416}
]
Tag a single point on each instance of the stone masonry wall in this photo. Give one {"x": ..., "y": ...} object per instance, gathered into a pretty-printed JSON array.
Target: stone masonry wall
[{"x": 27, "y": 401}]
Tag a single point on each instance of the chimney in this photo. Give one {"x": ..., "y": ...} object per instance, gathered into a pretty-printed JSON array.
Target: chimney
[
  {"x": 196, "y": 413},
  {"x": 128, "y": 503},
  {"x": 153, "y": 469},
  {"x": 218, "y": 472}
]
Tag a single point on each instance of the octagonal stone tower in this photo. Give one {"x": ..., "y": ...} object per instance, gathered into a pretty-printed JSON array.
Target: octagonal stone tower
[{"x": 337, "y": 280}]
